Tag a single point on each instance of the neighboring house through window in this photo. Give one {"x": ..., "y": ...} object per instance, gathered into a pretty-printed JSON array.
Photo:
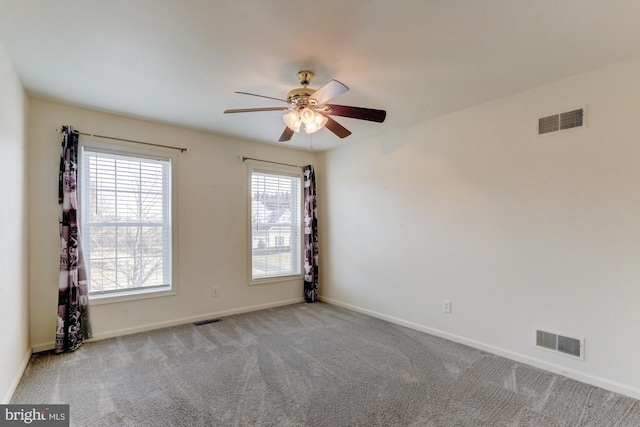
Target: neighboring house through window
[{"x": 275, "y": 209}]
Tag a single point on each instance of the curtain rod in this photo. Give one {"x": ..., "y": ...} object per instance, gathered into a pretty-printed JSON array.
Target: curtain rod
[
  {"x": 269, "y": 161},
  {"x": 182, "y": 149}
]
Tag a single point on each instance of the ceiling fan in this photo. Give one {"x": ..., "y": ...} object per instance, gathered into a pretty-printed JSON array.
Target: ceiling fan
[{"x": 308, "y": 108}]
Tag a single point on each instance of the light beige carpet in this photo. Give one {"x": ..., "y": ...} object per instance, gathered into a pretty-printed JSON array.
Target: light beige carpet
[{"x": 308, "y": 365}]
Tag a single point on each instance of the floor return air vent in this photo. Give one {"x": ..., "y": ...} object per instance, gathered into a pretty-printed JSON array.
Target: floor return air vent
[
  {"x": 552, "y": 341},
  {"x": 206, "y": 322}
]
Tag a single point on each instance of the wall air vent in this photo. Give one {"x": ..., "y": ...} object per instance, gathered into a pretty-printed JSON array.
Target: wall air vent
[
  {"x": 559, "y": 343},
  {"x": 570, "y": 119}
]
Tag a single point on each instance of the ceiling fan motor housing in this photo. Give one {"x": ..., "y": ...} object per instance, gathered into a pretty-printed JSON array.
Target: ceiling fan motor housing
[
  {"x": 296, "y": 96},
  {"x": 300, "y": 96}
]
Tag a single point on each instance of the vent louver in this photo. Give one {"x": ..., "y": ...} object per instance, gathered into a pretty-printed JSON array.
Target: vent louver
[
  {"x": 570, "y": 346},
  {"x": 562, "y": 121},
  {"x": 205, "y": 322}
]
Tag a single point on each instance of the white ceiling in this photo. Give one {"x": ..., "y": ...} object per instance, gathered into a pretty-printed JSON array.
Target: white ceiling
[{"x": 181, "y": 61}]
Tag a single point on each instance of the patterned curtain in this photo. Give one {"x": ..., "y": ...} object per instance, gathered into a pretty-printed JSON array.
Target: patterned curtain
[
  {"x": 310, "y": 236},
  {"x": 73, "y": 299}
]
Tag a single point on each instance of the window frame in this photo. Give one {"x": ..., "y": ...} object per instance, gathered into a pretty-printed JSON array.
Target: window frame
[
  {"x": 146, "y": 152},
  {"x": 257, "y": 166}
]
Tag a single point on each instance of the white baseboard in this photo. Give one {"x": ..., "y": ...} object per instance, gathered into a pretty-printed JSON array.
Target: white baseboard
[
  {"x": 46, "y": 346},
  {"x": 16, "y": 378},
  {"x": 596, "y": 381},
  {"x": 175, "y": 322}
]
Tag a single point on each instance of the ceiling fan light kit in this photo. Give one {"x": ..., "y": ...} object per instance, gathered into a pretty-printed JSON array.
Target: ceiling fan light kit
[
  {"x": 312, "y": 121},
  {"x": 308, "y": 107}
]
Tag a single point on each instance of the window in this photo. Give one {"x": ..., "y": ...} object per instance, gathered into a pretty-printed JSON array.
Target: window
[
  {"x": 275, "y": 207},
  {"x": 126, "y": 212}
]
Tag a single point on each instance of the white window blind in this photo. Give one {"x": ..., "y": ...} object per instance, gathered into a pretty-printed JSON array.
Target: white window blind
[
  {"x": 275, "y": 224},
  {"x": 126, "y": 221}
]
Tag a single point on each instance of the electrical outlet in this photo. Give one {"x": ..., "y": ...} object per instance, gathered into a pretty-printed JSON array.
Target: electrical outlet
[
  {"x": 214, "y": 292},
  {"x": 446, "y": 306}
]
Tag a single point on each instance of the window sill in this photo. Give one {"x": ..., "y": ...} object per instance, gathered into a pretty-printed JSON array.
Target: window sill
[
  {"x": 275, "y": 279},
  {"x": 129, "y": 296}
]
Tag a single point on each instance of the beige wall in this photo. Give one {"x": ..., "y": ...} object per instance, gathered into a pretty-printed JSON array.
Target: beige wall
[
  {"x": 212, "y": 225},
  {"x": 14, "y": 286},
  {"x": 517, "y": 230}
]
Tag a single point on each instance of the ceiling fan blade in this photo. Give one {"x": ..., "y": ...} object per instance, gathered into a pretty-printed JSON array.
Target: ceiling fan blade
[
  {"x": 253, "y": 110},
  {"x": 286, "y": 135},
  {"x": 261, "y": 96},
  {"x": 358, "y": 113},
  {"x": 330, "y": 90},
  {"x": 337, "y": 128}
]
